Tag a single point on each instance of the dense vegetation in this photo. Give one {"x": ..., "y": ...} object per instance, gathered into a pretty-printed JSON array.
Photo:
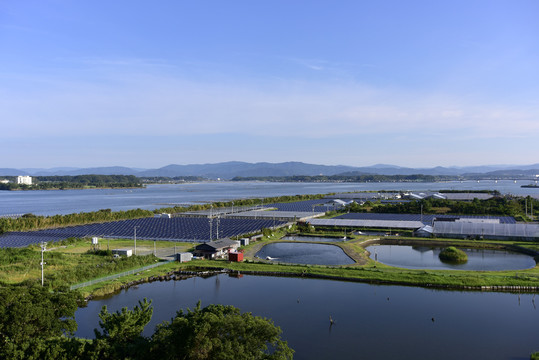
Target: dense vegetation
[
  {"x": 75, "y": 182},
  {"x": 503, "y": 206},
  {"x": 38, "y": 324},
  {"x": 31, "y": 316}
]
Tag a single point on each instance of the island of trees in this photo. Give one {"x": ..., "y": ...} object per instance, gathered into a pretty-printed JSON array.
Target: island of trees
[
  {"x": 74, "y": 182},
  {"x": 453, "y": 255}
]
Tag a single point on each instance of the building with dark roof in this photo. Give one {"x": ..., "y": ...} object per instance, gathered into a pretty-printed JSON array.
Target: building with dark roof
[{"x": 216, "y": 249}]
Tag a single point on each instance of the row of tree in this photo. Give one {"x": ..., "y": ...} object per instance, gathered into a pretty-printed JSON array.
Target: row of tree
[
  {"x": 30, "y": 222},
  {"x": 38, "y": 324}
]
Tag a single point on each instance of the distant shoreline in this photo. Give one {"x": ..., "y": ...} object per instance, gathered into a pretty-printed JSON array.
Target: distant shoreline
[{"x": 79, "y": 188}]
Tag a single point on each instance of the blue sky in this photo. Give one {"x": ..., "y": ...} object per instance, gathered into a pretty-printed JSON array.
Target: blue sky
[{"x": 140, "y": 84}]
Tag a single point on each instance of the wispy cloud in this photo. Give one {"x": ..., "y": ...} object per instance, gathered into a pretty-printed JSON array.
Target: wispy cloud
[{"x": 161, "y": 103}]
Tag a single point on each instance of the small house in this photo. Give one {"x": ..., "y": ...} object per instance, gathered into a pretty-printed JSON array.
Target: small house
[
  {"x": 216, "y": 249},
  {"x": 184, "y": 257},
  {"x": 424, "y": 231}
]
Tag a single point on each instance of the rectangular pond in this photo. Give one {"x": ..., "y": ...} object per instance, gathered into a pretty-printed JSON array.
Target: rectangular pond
[{"x": 371, "y": 322}]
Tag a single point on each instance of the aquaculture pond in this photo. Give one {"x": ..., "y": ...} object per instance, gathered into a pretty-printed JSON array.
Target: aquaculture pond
[
  {"x": 371, "y": 322},
  {"x": 314, "y": 238},
  {"x": 304, "y": 253},
  {"x": 423, "y": 257}
]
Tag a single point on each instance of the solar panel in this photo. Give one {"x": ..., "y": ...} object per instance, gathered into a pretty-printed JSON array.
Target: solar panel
[
  {"x": 386, "y": 224},
  {"x": 427, "y": 219}
]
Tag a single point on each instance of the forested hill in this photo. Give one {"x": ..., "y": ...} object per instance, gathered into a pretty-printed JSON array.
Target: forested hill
[{"x": 75, "y": 182}]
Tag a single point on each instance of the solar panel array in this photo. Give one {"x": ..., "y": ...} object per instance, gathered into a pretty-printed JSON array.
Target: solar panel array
[
  {"x": 175, "y": 229},
  {"x": 472, "y": 229},
  {"x": 426, "y": 219},
  {"x": 356, "y": 223},
  {"x": 303, "y": 206},
  {"x": 276, "y": 214}
]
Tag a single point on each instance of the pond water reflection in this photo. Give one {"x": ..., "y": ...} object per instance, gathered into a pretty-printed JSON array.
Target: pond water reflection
[
  {"x": 423, "y": 257},
  {"x": 371, "y": 322},
  {"x": 305, "y": 253}
]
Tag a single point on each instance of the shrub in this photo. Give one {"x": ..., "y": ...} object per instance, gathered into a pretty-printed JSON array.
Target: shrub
[{"x": 452, "y": 254}]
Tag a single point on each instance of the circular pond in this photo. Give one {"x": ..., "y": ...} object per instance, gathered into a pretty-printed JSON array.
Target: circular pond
[
  {"x": 305, "y": 253},
  {"x": 422, "y": 257}
]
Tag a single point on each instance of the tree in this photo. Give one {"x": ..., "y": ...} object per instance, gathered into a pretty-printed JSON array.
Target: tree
[
  {"x": 218, "y": 332},
  {"x": 121, "y": 336},
  {"x": 29, "y": 315}
]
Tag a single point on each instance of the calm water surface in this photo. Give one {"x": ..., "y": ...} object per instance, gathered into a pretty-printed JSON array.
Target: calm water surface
[
  {"x": 313, "y": 238},
  {"x": 372, "y": 322},
  {"x": 51, "y": 202},
  {"x": 305, "y": 253},
  {"x": 422, "y": 257}
]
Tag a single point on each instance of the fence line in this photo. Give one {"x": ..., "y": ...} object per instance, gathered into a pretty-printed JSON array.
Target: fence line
[{"x": 115, "y": 276}]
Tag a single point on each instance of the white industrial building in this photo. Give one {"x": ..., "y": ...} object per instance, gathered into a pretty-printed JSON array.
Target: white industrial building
[{"x": 24, "y": 180}]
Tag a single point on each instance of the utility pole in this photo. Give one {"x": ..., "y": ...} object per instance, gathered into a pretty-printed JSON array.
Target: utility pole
[
  {"x": 135, "y": 237},
  {"x": 43, "y": 245},
  {"x": 211, "y": 224}
]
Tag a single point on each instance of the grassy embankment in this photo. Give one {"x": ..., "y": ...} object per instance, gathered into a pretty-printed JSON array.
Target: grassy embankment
[{"x": 365, "y": 269}]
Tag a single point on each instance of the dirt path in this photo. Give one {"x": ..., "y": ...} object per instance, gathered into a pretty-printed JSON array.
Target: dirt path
[
  {"x": 350, "y": 248},
  {"x": 252, "y": 250}
]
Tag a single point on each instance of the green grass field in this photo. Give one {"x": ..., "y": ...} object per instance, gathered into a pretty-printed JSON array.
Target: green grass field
[{"x": 74, "y": 261}]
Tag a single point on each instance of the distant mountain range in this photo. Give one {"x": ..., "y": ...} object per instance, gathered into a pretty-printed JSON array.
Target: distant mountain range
[{"x": 229, "y": 170}]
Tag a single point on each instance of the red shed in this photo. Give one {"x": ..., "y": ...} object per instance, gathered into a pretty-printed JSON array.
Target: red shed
[{"x": 235, "y": 256}]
